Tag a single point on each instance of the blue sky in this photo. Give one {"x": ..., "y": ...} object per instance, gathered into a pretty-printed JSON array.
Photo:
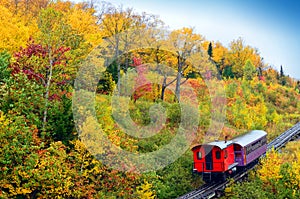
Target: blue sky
[{"x": 273, "y": 26}]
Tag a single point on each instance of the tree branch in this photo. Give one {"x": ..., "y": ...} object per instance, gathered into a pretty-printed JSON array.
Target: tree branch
[
  {"x": 168, "y": 84},
  {"x": 184, "y": 80}
]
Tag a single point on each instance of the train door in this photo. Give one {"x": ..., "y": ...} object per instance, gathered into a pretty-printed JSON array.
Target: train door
[
  {"x": 208, "y": 158},
  {"x": 218, "y": 160},
  {"x": 238, "y": 153}
]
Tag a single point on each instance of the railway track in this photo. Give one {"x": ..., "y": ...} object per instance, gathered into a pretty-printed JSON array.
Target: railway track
[
  {"x": 215, "y": 189},
  {"x": 289, "y": 135}
]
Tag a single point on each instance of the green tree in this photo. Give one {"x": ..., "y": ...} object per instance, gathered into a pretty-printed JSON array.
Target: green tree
[
  {"x": 185, "y": 42},
  {"x": 30, "y": 71},
  {"x": 176, "y": 179},
  {"x": 210, "y": 50},
  {"x": 248, "y": 190},
  {"x": 16, "y": 95},
  {"x": 118, "y": 26},
  {"x": 281, "y": 71},
  {"x": 249, "y": 70},
  {"x": 238, "y": 54},
  {"x": 106, "y": 84},
  {"x": 282, "y": 77},
  {"x": 55, "y": 34},
  {"x": 4, "y": 70},
  {"x": 227, "y": 72},
  {"x": 17, "y": 155}
]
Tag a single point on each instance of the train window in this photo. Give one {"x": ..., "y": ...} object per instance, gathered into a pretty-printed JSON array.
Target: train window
[
  {"x": 237, "y": 147},
  {"x": 226, "y": 154},
  {"x": 218, "y": 155},
  {"x": 199, "y": 155}
]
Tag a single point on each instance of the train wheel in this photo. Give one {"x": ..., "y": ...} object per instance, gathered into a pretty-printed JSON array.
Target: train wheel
[
  {"x": 219, "y": 193},
  {"x": 223, "y": 177},
  {"x": 220, "y": 177}
]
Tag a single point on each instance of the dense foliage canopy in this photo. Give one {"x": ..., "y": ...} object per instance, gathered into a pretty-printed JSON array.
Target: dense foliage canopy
[{"x": 43, "y": 44}]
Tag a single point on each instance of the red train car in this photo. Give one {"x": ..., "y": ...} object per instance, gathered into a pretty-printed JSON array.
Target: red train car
[
  {"x": 217, "y": 160},
  {"x": 214, "y": 160}
]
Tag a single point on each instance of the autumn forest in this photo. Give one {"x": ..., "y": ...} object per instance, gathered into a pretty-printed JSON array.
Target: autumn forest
[{"x": 166, "y": 81}]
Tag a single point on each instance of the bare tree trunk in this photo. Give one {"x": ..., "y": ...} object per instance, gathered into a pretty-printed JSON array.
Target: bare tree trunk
[
  {"x": 178, "y": 79},
  {"x": 47, "y": 91},
  {"x": 119, "y": 78},
  {"x": 177, "y": 90},
  {"x": 125, "y": 77},
  {"x": 118, "y": 65},
  {"x": 165, "y": 85},
  {"x": 163, "y": 88}
]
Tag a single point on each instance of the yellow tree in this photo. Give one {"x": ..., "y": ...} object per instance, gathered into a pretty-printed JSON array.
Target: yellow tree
[
  {"x": 145, "y": 191},
  {"x": 82, "y": 19},
  {"x": 156, "y": 52},
  {"x": 185, "y": 42},
  {"x": 114, "y": 22},
  {"x": 219, "y": 53},
  {"x": 270, "y": 168},
  {"x": 123, "y": 31},
  {"x": 271, "y": 75},
  {"x": 15, "y": 31},
  {"x": 238, "y": 54},
  {"x": 28, "y": 9}
]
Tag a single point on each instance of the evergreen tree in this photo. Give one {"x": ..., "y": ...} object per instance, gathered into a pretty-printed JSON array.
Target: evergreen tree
[
  {"x": 113, "y": 70},
  {"x": 298, "y": 86},
  {"x": 249, "y": 70},
  {"x": 4, "y": 62},
  {"x": 227, "y": 72},
  {"x": 282, "y": 77},
  {"x": 281, "y": 71},
  {"x": 210, "y": 50}
]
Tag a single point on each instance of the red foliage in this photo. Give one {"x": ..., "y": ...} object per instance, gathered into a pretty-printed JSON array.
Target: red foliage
[
  {"x": 38, "y": 69},
  {"x": 262, "y": 78},
  {"x": 34, "y": 61},
  {"x": 194, "y": 84},
  {"x": 142, "y": 85},
  {"x": 208, "y": 75},
  {"x": 136, "y": 61}
]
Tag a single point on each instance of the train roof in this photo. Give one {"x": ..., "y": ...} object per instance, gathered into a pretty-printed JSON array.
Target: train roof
[
  {"x": 250, "y": 137},
  {"x": 221, "y": 144}
]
